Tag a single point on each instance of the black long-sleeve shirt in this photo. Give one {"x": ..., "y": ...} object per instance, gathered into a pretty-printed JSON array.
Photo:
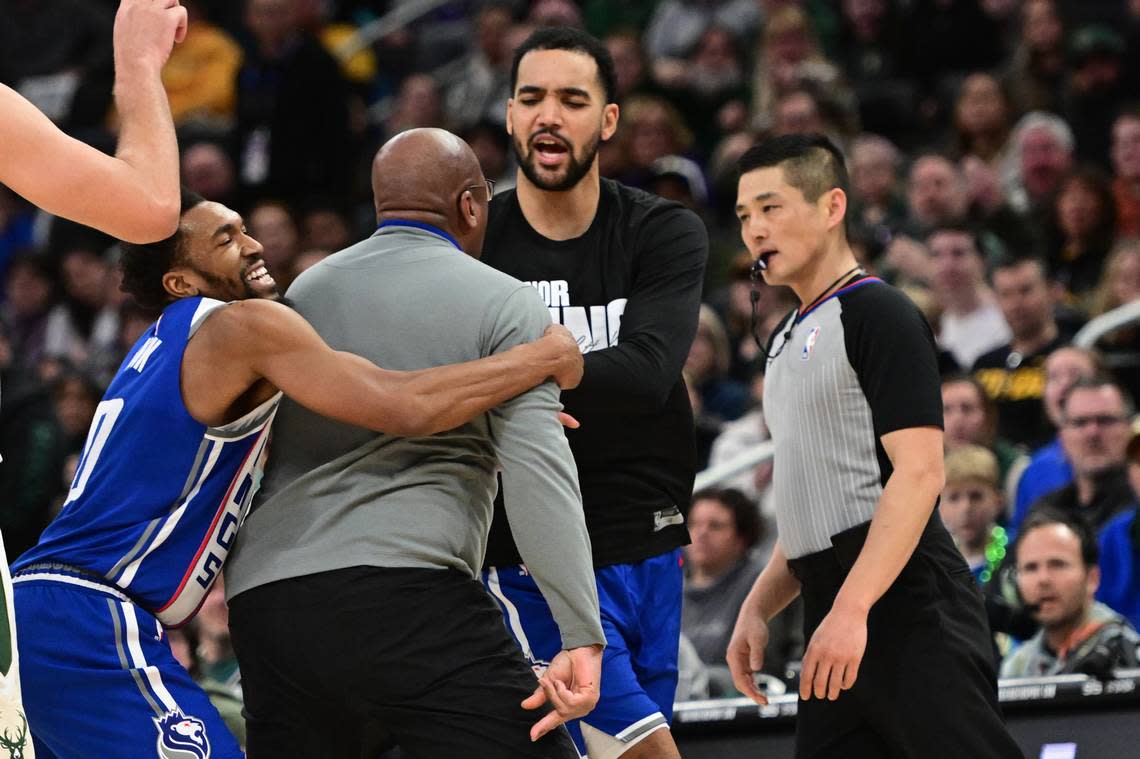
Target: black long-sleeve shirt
[{"x": 629, "y": 288}]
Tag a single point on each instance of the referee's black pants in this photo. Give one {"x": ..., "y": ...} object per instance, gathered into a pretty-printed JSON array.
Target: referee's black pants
[
  {"x": 927, "y": 687},
  {"x": 347, "y": 663}
]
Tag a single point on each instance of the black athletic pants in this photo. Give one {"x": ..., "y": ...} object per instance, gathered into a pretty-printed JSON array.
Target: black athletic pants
[
  {"x": 927, "y": 687},
  {"x": 349, "y": 662}
]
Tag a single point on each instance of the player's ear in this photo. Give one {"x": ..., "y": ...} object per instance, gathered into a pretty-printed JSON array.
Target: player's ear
[{"x": 178, "y": 285}]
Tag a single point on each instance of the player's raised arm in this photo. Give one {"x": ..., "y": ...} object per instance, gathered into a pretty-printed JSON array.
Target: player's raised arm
[
  {"x": 133, "y": 195},
  {"x": 273, "y": 342}
]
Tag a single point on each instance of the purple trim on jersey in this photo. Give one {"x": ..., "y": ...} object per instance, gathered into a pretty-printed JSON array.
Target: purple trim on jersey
[{"x": 848, "y": 288}]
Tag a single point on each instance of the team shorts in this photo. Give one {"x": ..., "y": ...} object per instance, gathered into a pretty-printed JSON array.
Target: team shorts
[
  {"x": 99, "y": 678},
  {"x": 641, "y": 617}
]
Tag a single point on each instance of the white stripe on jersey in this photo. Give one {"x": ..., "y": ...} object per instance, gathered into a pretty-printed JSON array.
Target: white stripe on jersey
[
  {"x": 128, "y": 576},
  {"x": 513, "y": 620},
  {"x": 138, "y": 363},
  {"x": 139, "y": 661}
]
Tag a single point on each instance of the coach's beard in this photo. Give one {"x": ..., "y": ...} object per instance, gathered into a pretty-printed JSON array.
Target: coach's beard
[{"x": 575, "y": 169}]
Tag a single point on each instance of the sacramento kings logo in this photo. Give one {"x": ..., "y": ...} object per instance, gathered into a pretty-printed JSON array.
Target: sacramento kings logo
[{"x": 181, "y": 737}]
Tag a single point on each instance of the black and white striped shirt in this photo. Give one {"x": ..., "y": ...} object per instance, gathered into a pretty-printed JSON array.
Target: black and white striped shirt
[{"x": 856, "y": 365}]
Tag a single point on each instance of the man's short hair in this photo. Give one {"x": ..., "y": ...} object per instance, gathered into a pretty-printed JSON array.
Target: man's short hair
[
  {"x": 1013, "y": 262},
  {"x": 145, "y": 265},
  {"x": 745, "y": 513},
  {"x": 972, "y": 463},
  {"x": 1046, "y": 515},
  {"x": 811, "y": 162},
  {"x": 573, "y": 40},
  {"x": 958, "y": 227},
  {"x": 1096, "y": 382}
]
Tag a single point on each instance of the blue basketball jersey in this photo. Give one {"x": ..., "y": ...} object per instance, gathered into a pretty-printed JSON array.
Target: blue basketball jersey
[{"x": 157, "y": 497}]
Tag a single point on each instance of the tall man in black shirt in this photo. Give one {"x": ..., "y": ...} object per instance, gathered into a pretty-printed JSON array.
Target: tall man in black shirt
[
  {"x": 622, "y": 270},
  {"x": 898, "y": 662}
]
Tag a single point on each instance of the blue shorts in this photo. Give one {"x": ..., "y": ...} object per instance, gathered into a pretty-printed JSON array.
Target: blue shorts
[
  {"x": 99, "y": 678},
  {"x": 641, "y": 617}
]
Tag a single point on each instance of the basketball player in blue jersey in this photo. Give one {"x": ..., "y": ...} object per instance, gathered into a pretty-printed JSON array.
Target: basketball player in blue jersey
[
  {"x": 170, "y": 465},
  {"x": 132, "y": 195}
]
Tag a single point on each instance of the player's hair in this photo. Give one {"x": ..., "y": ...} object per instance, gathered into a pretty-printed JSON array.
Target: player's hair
[
  {"x": 745, "y": 513},
  {"x": 145, "y": 265},
  {"x": 811, "y": 162},
  {"x": 1048, "y": 515},
  {"x": 575, "y": 41},
  {"x": 971, "y": 463}
]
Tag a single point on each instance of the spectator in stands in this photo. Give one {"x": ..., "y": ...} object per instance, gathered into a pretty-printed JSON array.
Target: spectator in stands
[
  {"x": 1037, "y": 71},
  {"x": 1042, "y": 154},
  {"x": 1126, "y": 169},
  {"x": 972, "y": 323},
  {"x": 29, "y": 295},
  {"x": 677, "y": 25},
  {"x": 272, "y": 224},
  {"x": 740, "y": 436},
  {"x": 800, "y": 110},
  {"x": 706, "y": 370},
  {"x": 719, "y": 572},
  {"x": 631, "y": 69},
  {"x": 325, "y": 227},
  {"x": 875, "y": 58},
  {"x": 476, "y": 86},
  {"x": 971, "y": 503},
  {"x": 877, "y": 209},
  {"x": 1057, "y": 572},
  {"x": 1094, "y": 433},
  {"x": 1120, "y": 284},
  {"x": 418, "y": 104},
  {"x": 1094, "y": 90},
  {"x": 1120, "y": 545},
  {"x": 292, "y": 133},
  {"x": 33, "y": 447},
  {"x": 936, "y": 193},
  {"x": 58, "y": 54},
  {"x": 983, "y": 118},
  {"x": 1082, "y": 221},
  {"x": 1048, "y": 468},
  {"x": 208, "y": 170},
  {"x": 201, "y": 73},
  {"x": 84, "y": 325},
  {"x": 75, "y": 396},
  {"x": 652, "y": 128},
  {"x": 1014, "y": 374},
  {"x": 971, "y": 419},
  {"x": 492, "y": 147},
  {"x": 307, "y": 259}
]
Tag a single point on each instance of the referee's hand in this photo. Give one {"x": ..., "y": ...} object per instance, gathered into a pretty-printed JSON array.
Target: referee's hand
[
  {"x": 571, "y": 684},
  {"x": 831, "y": 661},
  {"x": 746, "y": 652}
]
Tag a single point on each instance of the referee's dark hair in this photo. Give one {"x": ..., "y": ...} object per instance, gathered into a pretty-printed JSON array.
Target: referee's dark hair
[
  {"x": 811, "y": 162},
  {"x": 1045, "y": 516},
  {"x": 575, "y": 41},
  {"x": 144, "y": 265},
  {"x": 745, "y": 513}
]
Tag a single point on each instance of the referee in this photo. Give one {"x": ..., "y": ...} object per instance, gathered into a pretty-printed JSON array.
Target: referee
[{"x": 899, "y": 660}]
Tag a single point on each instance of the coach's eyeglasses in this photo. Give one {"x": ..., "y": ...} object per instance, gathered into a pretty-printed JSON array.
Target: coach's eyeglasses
[{"x": 488, "y": 184}]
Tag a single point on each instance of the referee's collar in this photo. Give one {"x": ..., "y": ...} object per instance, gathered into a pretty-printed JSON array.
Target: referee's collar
[
  {"x": 388, "y": 223},
  {"x": 846, "y": 288}
]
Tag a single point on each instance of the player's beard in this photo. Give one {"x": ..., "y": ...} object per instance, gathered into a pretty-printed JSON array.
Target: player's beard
[
  {"x": 575, "y": 168},
  {"x": 220, "y": 285}
]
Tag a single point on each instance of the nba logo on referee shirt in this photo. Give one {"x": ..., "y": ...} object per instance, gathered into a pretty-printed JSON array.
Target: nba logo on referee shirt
[{"x": 809, "y": 343}]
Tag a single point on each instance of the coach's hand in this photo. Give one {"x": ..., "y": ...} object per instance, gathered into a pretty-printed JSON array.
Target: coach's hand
[
  {"x": 746, "y": 652},
  {"x": 571, "y": 684},
  {"x": 568, "y": 362},
  {"x": 831, "y": 662}
]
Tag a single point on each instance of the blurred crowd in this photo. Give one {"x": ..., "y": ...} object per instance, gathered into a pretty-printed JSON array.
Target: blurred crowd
[{"x": 994, "y": 153}]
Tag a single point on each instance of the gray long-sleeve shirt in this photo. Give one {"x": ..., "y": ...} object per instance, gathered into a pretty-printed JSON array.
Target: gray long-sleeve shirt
[{"x": 337, "y": 496}]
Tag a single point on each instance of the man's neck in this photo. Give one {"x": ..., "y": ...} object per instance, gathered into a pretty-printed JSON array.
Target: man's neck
[
  {"x": 966, "y": 300},
  {"x": 827, "y": 273},
  {"x": 703, "y": 577},
  {"x": 564, "y": 214},
  {"x": 1057, "y": 638},
  {"x": 1030, "y": 344}
]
